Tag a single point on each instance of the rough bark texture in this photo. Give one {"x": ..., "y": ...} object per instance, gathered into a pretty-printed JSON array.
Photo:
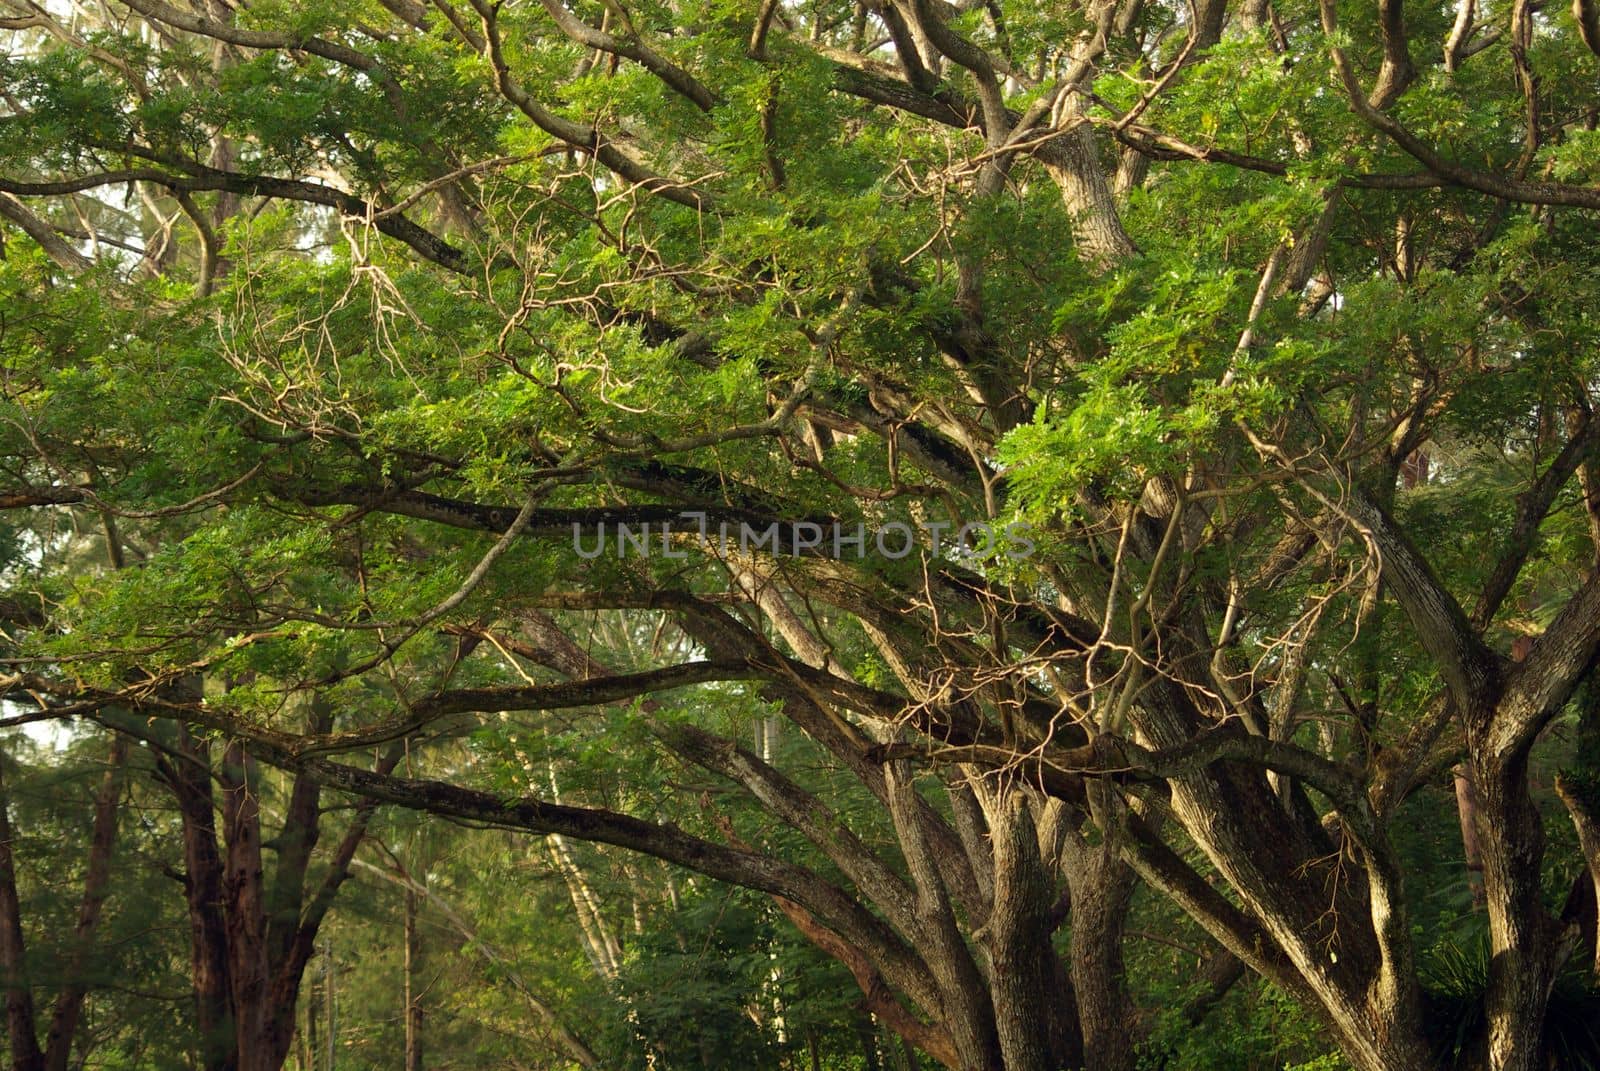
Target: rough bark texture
[
  {"x": 1019, "y": 938},
  {"x": 1587, "y": 824},
  {"x": 1522, "y": 933},
  {"x": 1101, "y": 885},
  {"x": 189, "y": 777},
  {"x": 965, "y": 1000},
  {"x": 1097, "y": 227},
  {"x": 245, "y": 912}
]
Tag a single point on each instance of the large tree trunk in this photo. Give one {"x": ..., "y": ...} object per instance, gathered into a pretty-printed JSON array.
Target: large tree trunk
[
  {"x": 1101, "y": 886},
  {"x": 1019, "y": 936},
  {"x": 250, "y": 941},
  {"x": 1315, "y": 907},
  {"x": 189, "y": 777},
  {"x": 964, "y": 997},
  {"x": 1522, "y": 934},
  {"x": 1097, "y": 227}
]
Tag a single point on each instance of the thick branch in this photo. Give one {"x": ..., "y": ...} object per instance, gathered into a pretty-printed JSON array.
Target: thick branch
[
  {"x": 1469, "y": 668},
  {"x": 669, "y": 843},
  {"x": 1520, "y": 191},
  {"x": 201, "y": 178},
  {"x": 632, "y": 48},
  {"x": 1542, "y": 683}
]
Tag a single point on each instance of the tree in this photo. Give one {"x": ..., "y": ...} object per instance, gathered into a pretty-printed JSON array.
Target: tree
[
  {"x": 96, "y": 917},
  {"x": 252, "y": 934},
  {"x": 1131, "y": 442},
  {"x": 22, "y": 1025}
]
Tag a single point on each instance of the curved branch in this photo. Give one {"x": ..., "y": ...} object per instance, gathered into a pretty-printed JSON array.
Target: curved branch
[
  {"x": 259, "y": 39},
  {"x": 565, "y": 695},
  {"x": 1469, "y": 667},
  {"x": 1058, "y": 768},
  {"x": 201, "y": 178},
  {"x": 1541, "y": 684},
  {"x": 59, "y": 251},
  {"x": 666, "y": 842},
  {"x": 1520, "y": 191},
  {"x": 578, "y": 135},
  {"x": 1587, "y": 13},
  {"x": 632, "y": 48},
  {"x": 802, "y": 810}
]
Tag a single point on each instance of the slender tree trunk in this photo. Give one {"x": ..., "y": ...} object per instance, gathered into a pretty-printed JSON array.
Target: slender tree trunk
[
  {"x": 576, "y": 1047},
  {"x": 604, "y": 951},
  {"x": 303, "y": 1056},
  {"x": 330, "y": 1001},
  {"x": 246, "y": 912},
  {"x": 1580, "y": 791},
  {"x": 1467, "y": 807},
  {"x": 25, "y": 1054},
  {"x": 313, "y": 1013},
  {"x": 96, "y": 883},
  {"x": 1587, "y": 822},
  {"x": 869, "y": 1043},
  {"x": 413, "y": 995},
  {"x": 189, "y": 776}
]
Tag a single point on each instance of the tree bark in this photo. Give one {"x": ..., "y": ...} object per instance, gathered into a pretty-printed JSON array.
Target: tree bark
[
  {"x": 189, "y": 777},
  {"x": 1587, "y": 824},
  {"x": 1101, "y": 886},
  {"x": 1097, "y": 226},
  {"x": 1522, "y": 934},
  {"x": 330, "y": 1002},
  {"x": 245, "y": 911},
  {"x": 1019, "y": 937},
  {"x": 25, "y": 1054},
  {"x": 1467, "y": 807},
  {"x": 413, "y": 993},
  {"x": 968, "y": 1010},
  {"x": 250, "y": 942},
  {"x": 96, "y": 883},
  {"x": 878, "y": 998}
]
